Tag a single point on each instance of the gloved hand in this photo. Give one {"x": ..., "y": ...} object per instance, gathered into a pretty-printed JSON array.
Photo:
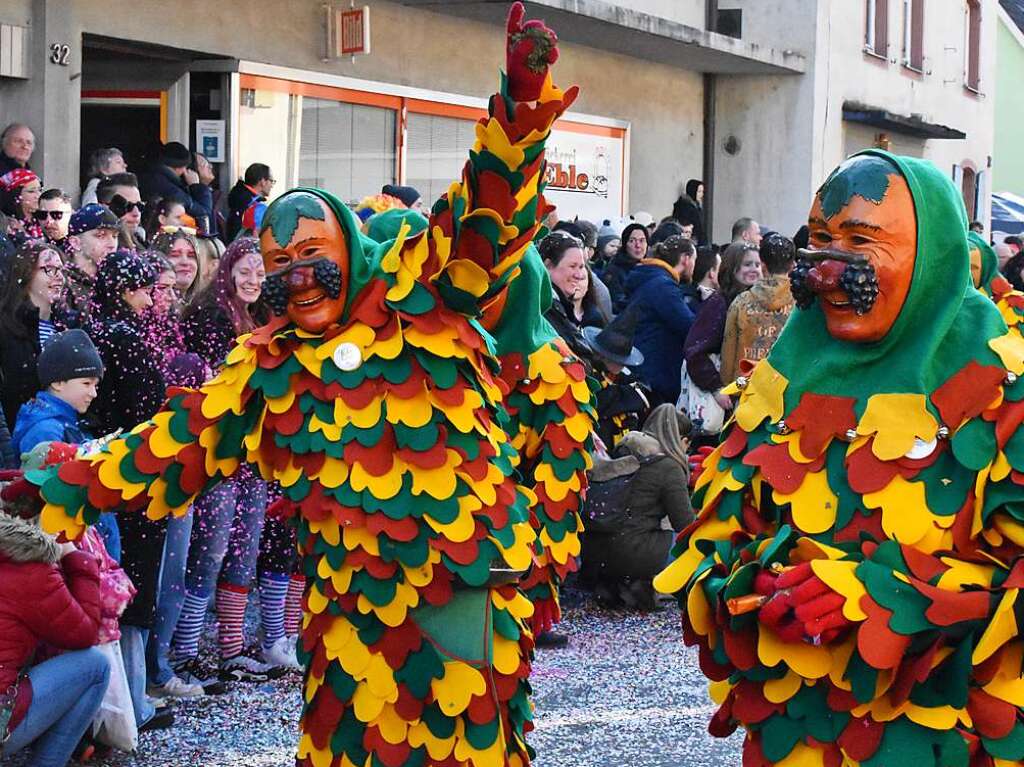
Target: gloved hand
[
  {"x": 801, "y": 608},
  {"x": 697, "y": 463},
  {"x": 531, "y": 48}
]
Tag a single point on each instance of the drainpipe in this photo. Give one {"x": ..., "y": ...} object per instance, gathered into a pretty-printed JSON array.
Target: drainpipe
[{"x": 708, "y": 171}]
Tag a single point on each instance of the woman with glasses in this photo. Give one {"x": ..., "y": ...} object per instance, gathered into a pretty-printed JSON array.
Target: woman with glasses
[
  {"x": 19, "y": 199},
  {"x": 30, "y": 314}
]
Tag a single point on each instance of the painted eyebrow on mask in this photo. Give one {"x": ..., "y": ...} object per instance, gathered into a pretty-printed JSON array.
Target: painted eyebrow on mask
[{"x": 856, "y": 223}]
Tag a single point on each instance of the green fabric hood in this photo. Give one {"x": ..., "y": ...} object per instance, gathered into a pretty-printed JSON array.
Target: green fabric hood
[
  {"x": 989, "y": 261},
  {"x": 944, "y": 324}
]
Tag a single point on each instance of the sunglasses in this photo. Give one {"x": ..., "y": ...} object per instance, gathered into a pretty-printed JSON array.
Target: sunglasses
[
  {"x": 55, "y": 215},
  {"x": 121, "y": 207}
]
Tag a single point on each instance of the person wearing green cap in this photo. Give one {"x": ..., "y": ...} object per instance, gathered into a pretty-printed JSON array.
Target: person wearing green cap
[
  {"x": 852, "y": 580},
  {"x": 990, "y": 281},
  {"x": 376, "y": 397}
]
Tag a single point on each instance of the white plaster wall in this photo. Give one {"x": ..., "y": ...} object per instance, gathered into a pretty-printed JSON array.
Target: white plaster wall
[
  {"x": 688, "y": 12},
  {"x": 938, "y": 95}
]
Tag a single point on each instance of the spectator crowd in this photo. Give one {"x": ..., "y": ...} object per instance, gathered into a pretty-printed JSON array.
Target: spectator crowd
[{"x": 145, "y": 284}]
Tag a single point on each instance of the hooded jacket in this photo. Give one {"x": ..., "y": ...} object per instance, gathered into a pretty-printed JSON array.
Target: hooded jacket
[
  {"x": 686, "y": 210},
  {"x": 664, "y": 320},
  {"x": 44, "y": 599},
  {"x": 159, "y": 181},
  {"x": 754, "y": 322}
]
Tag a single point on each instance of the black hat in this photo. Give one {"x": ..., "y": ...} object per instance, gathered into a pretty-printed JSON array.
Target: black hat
[
  {"x": 406, "y": 194},
  {"x": 92, "y": 216},
  {"x": 174, "y": 154},
  {"x": 615, "y": 342},
  {"x": 69, "y": 355}
]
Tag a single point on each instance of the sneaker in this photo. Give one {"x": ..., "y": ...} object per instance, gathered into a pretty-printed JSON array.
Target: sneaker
[
  {"x": 191, "y": 671},
  {"x": 161, "y": 720},
  {"x": 243, "y": 668},
  {"x": 176, "y": 687},
  {"x": 282, "y": 653}
]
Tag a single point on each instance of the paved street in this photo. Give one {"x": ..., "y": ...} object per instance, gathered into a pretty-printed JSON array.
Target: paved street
[{"x": 626, "y": 693}]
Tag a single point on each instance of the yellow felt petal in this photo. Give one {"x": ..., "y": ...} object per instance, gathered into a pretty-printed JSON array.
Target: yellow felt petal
[
  {"x": 895, "y": 420},
  {"x": 459, "y": 684},
  {"x": 438, "y": 748},
  {"x": 698, "y": 611},
  {"x": 806, "y": 660},
  {"x": 1000, "y": 630},
  {"x": 762, "y": 398},
  {"x": 392, "y": 727},
  {"x": 365, "y": 703},
  {"x": 813, "y": 505},
  {"x": 468, "y": 276},
  {"x": 962, "y": 573},
  {"x": 507, "y": 655},
  {"x": 780, "y": 690},
  {"x": 808, "y": 549},
  {"x": 905, "y": 515},
  {"x": 940, "y": 718},
  {"x": 54, "y": 520},
  {"x": 320, "y": 757},
  {"x": 719, "y": 691},
  {"x": 492, "y": 136},
  {"x": 803, "y": 755},
  {"x": 839, "y": 576},
  {"x": 1010, "y": 349}
]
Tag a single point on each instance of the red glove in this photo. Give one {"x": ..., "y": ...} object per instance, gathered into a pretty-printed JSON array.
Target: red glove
[
  {"x": 697, "y": 463},
  {"x": 530, "y": 49},
  {"x": 802, "y": 608},
  {"x": 282, "y": 509},
  {"x": 19, "y": 496}
]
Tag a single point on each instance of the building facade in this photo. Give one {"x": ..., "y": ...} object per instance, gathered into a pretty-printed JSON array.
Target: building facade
[
  {"x": 1008, "y": 155},
  {"x": 762, "y": 108}
]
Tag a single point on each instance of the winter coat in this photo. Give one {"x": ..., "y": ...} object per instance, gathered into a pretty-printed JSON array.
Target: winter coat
[
  {"x": 614, "y": 277},
  {"x": 754, "y": 322},
  {"x": 687, "y": 211},
  {"x": 79, "y": 293},
  {"x": 8, "y": 458},
  {"x": 7, "y": 164},
  {"x": 240, "y": 198},
  {"x": 159, "y": 181},
  {"x": 657, "y": 490},
  {"x": 705, "y": 339},
  {"x": 564, "y": 323},
  {"x": 43, "y": 600},
  {"x": 131, "y": 392},
  {"x": 209, "y": 333},
  {"x": 46, "y": 418},
  {"x": 664, "y": 319},
  {"x": 19, "y": 355}
]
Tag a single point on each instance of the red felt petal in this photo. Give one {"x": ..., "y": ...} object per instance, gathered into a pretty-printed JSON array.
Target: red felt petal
[
  {"x": 861, "y": 737},
  {"x": 779, "y": 470},
  {"x": 741, "y": 648},
  {"x": 819, "y": 418},
  {"x": 879, "y": 646},
  {"x": 967, "y": 393},
  {"x": 992, "y": 717},
  {"x": 867, "y": 474}
]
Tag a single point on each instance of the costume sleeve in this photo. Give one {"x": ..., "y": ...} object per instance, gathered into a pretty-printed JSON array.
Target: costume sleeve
[
  {"x": 730, "y": 344},
  {"x": 194, "y": 441},
  {"x": 481, "y": 228}
]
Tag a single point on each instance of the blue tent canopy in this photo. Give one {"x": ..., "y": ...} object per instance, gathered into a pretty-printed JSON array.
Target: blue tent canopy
[{"x": 1007, "y": 215}]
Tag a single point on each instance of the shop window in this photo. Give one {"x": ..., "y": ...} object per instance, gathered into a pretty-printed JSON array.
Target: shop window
[
  {"x": 436, "y": 149},
  {"x": 876, "y": 29},
  {"x": 913, "y": 34},
  {"x": 348, "y": 149},
  {"x": 972, "y": 64}
]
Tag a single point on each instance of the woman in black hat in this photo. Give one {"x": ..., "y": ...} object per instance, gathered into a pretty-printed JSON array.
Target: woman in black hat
[{"x": 622, "y": 401}]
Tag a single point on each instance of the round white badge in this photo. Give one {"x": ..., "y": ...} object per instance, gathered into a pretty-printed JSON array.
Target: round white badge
[{"x": 347, "y": 357}]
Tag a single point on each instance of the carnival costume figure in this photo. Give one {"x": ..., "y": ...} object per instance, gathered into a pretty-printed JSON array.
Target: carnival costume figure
[
  {"x": 375, "y": 399},
  {"x": 853, "y": 580}
]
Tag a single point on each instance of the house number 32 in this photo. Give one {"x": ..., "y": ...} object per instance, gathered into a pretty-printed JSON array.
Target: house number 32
[{"x": 60, "y": 53}]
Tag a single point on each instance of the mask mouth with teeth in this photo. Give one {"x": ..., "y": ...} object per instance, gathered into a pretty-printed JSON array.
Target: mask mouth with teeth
[
  {"x": 858, "y": 280},
  {"x": 326, "y": 274}
]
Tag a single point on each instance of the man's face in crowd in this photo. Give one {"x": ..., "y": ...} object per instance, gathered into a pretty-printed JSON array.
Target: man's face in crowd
[
  {"x": 313, "y": 253},
  {"x": 115, "y": 165},
  {"x": 687, "y": 231},
  {"x": 753, "y": 234},
  {"x": 266, "y": 185},
  {"x": 19, "y": 143},
  {"x": 686, "y": 264},
  {"x": 97, "y": 244},
  {"x": 55, "y": 229},
  {"x": 131, "y": 216},
  {"x": 853, "y": 219}
]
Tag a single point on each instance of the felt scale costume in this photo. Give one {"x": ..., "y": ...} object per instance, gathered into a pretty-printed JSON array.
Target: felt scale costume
[
  {"x": 993, "y": 284},
  {"x": 375, "y": 400},
  {"x": 853, "y": 581}
]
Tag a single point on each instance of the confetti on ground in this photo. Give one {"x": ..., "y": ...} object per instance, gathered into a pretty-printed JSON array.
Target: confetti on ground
[{"x": 625, "y": 691}]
